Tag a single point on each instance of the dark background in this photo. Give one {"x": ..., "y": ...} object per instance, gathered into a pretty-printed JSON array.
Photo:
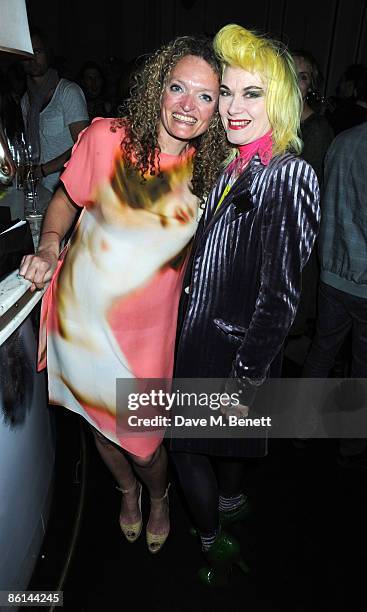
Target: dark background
[{"x": 334, "y": 31}]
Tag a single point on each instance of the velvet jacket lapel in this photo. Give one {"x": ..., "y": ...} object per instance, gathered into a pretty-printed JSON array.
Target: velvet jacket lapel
[{"x": 239, "y": 196}]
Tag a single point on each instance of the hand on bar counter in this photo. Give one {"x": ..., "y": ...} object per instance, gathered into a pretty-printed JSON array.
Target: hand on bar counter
[{"x": 39, "y": 268}]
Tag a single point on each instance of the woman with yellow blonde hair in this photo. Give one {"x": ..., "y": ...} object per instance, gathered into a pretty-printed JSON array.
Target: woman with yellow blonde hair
[{"x": 244, "y": 276}]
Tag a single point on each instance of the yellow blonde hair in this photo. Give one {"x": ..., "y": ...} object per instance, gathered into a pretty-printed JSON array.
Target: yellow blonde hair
[{"x": 236, "y": 46}]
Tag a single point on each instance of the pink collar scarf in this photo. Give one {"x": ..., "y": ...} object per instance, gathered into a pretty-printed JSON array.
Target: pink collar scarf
[{"x": 262, "y": 146}]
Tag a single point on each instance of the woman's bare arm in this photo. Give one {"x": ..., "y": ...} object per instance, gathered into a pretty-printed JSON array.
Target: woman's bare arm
[{"x": 59, "y": 217}]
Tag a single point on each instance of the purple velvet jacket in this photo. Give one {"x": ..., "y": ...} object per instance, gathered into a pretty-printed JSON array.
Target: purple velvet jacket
[{"x": 243, "y": 280}]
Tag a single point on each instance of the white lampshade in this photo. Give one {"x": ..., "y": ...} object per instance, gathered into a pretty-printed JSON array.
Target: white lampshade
[{"x": 14, "y": 29}]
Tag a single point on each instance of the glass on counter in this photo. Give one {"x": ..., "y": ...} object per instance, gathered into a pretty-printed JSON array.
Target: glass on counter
[
  {"x": 35, "y": 220},
  {"x": 18, "y": 151},
  {"x": 31, "y": 209},
  {"x": 32, "y": 180},
  {"x": 24, "y": 191}
]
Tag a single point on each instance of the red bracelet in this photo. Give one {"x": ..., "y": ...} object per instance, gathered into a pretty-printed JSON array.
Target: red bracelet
[
  {"x": 42, "y": 171},
  {"x": 51, "y": 232}
]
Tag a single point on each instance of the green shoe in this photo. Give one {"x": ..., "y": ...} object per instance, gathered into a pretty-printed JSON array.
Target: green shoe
[
  {"x": 222, "y": 556},
  {"x": 213, "y": 577}
]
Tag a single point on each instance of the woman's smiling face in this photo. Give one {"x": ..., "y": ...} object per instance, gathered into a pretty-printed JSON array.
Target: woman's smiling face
[
  {"x": 242, "y": 106},
  {"x": 188, "y": 103}
]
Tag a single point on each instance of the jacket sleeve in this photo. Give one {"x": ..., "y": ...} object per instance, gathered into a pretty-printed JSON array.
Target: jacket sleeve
[{"x": 289, "y": 229}]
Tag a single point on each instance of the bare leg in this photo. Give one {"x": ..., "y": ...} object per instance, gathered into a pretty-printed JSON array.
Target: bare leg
[
  {"x": 153, "y": 472},
  {"x": 121, "y": 469}
]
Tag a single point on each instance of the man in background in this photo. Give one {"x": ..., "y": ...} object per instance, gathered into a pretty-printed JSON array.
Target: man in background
[
  {"x": 342, "y": 302},
  {"x": 54, "y": 112},
  {"x": 349, "y": 107}
]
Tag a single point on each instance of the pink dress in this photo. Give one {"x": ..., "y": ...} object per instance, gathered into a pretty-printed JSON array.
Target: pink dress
[{"x": 111, "y": 308}]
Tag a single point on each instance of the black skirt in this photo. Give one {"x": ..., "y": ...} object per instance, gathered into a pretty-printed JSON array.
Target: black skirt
[{"x": 252, "y": 444}]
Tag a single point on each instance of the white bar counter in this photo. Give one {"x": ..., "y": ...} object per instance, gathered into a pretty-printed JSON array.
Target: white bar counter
[
  {"x": 27, "y": 440},
  {"x": 16, "y": 302}
]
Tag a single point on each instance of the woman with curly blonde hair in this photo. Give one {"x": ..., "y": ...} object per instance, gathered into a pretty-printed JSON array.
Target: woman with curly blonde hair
[
  {"x": 244, "y": 274},
  {"x": 143, "y": 115},
  {"x": 110, "y": 311}
]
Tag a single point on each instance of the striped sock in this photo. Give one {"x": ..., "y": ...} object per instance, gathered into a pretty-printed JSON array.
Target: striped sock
[
  {"x": 208, "y": 540},
  {"x": 230, "y": 503}
]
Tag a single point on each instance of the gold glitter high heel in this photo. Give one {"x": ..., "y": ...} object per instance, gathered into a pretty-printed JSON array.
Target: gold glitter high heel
[
  {"x": 155, "y": 541},
  {"x": 132, "y": 531}
]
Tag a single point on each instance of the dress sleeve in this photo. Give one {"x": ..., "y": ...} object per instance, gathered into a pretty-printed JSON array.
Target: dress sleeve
[
  {"x": 290, "y": 226},
  {"x": 91, "y": 160}
]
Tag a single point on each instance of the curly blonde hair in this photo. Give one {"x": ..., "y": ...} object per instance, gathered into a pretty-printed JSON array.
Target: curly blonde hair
[{"x": 142, "y": 116}]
